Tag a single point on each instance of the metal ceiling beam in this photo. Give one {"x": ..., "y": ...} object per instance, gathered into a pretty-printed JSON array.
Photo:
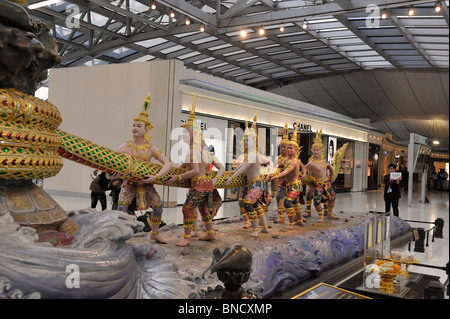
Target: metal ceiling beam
[
  {"x": 317, "y": 36},
  {"x": 444, "y": 10},
  {"x": 129, "y": 14},
  {"x": 238, "y": 7},
  {"x": 187, "y": 9},
  {"x": 298, "y": 14},
  {"x": 408, "y": 37},
  {"x": 365, "y": 39}
]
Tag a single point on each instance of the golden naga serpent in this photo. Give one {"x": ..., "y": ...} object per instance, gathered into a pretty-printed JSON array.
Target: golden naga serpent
[{"x": 31, "y": 146}]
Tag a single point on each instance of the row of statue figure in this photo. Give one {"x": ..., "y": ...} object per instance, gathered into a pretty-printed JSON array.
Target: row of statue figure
[{"x": 318, "y": 176}]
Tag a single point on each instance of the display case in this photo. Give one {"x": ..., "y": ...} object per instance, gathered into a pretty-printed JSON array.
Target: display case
[{"x": 385, "y": 273}]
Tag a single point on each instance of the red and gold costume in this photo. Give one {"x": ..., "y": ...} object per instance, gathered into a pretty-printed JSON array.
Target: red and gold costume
[
  {"x": 293, "y": 188},
  {"x": 145, "y": 194},
  {"x": 201, "y": 196},
  {"x": 281, "y": 188},
  {"x": 201, "y": 193},
  {"x": 254, "y": 198}
]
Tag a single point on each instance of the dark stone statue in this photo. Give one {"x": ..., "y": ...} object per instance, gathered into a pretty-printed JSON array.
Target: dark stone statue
[{"x": 27, "y": 50}]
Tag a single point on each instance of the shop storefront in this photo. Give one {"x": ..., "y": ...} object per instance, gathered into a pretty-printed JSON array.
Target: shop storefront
[
  {"x": 440, "y": 163},
  {"x": 222, "y": 107},
  {"x": 372, "y": 171}
]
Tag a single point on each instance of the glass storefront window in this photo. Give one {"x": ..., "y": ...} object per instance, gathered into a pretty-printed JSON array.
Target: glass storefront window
[
  {"x": 372, "y": 167},
  {"x": 344, "y": 181}
]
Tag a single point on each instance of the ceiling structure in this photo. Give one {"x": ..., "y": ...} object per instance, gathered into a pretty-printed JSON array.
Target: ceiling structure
[{"x": 340, "y": 55}]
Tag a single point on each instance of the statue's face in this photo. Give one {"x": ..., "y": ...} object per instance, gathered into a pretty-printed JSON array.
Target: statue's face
[
  {"x": 249, "y": 144},
  {"x": 139, "y": 129},
  {"x": 186, "y": 135},
  {"x": 291, "y": 150},
  {"x": 283, "y": 149},
  {"x": 317, "y": 151}
]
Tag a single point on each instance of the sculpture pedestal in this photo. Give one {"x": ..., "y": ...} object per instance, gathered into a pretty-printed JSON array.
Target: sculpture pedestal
[{"x": 30, "y": 206}]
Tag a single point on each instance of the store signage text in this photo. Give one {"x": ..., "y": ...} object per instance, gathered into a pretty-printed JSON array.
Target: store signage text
[
  {"x": 201, "y": 124},
  {"x": 302, "y": 127}
]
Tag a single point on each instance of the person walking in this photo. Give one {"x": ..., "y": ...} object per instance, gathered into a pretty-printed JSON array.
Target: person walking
[
  {"x": 391, "y": 191},
  {"x": 405, "y": 178},
  {"x": 98, "y": 187}
]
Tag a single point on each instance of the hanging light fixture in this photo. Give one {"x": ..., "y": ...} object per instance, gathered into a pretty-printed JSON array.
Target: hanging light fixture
[
  {"x": 187, "y": 21},
  {"x": 384, "y": 15},
  {"x": 305, "y": 24},
  {"x": 243, "y": 33},
  {"x": 411, "y": 11},
  {"x": 172, "y": 14},
  {"x": 434, "y": 129},
  {"x": 436, "y": 140},
  {"x": 261, "y": 30},
  {"x": 437, "y": 7},
  {"x": 282, "y": 28},
  {"x": 153, "y": 5},
  {"x": 202, "y": 28}
]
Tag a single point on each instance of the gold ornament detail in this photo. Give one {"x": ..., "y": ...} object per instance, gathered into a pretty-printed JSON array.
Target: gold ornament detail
[
  {"x": 143, "y": 116},
  {"x": 285, "y": 139},
  {"x": 29, "y": 145},
  {"x": 337, "y": 160},
  {"x": 318, "y": 140},
  {"x": 33, "y": 147}
]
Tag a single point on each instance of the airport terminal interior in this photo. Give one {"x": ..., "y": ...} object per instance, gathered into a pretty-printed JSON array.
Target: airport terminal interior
[{"x": 345, "y": 103}]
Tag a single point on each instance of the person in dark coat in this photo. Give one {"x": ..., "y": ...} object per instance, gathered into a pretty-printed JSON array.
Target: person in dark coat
[
  {"x": 391, "y": 191},
  {"x": 405, "y": 178},
  {"x": 98, "y": 187}
]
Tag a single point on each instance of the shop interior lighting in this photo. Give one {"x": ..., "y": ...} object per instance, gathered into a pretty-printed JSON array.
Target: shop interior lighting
[
  {"x": 172, "y": 14},
  {"x": 436, "y": 142},
  {"x": 153, "y": 5},
  {"x": 411, "y": 11},
  {"x": 243, "y": 33},
  {"x": 384, "y": 15},
  {"x": 202, "y": 28},
  {"x": 187, "y": 21},
  {"x": 42, "y": 4},
  {"x": 282, "y": 28}
]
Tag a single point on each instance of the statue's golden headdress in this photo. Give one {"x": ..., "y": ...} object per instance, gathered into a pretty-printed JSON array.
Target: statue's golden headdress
[
  {"x": 191, "y": 123},
  {"x": 143, "y": 115},
  {"x": 253, "y": 131},
  {"x": 285, "y": 139},
  {"x": 318, "y": 140},
  {"x": 293, "y": 140}
]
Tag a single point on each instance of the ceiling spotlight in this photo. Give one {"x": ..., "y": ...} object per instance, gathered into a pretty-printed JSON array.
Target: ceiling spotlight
[
  {"x": 437, "y": 7},
  {"x": 202, "y": 28},
  {"x": 187, "y": 21},
  {"x": 384, "y": 15},
  {"x": 305, "y": 25},
  {"x": 153, "y": 5},
  {"x": 436, "y": 142},
  {"x": 282, "y": 28},
  {"x": 411, "y": 11},
  {"x": 261, "y": 31},
  {"x": 243, "y": 33},
  {"x": 172, "y": 14}
]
